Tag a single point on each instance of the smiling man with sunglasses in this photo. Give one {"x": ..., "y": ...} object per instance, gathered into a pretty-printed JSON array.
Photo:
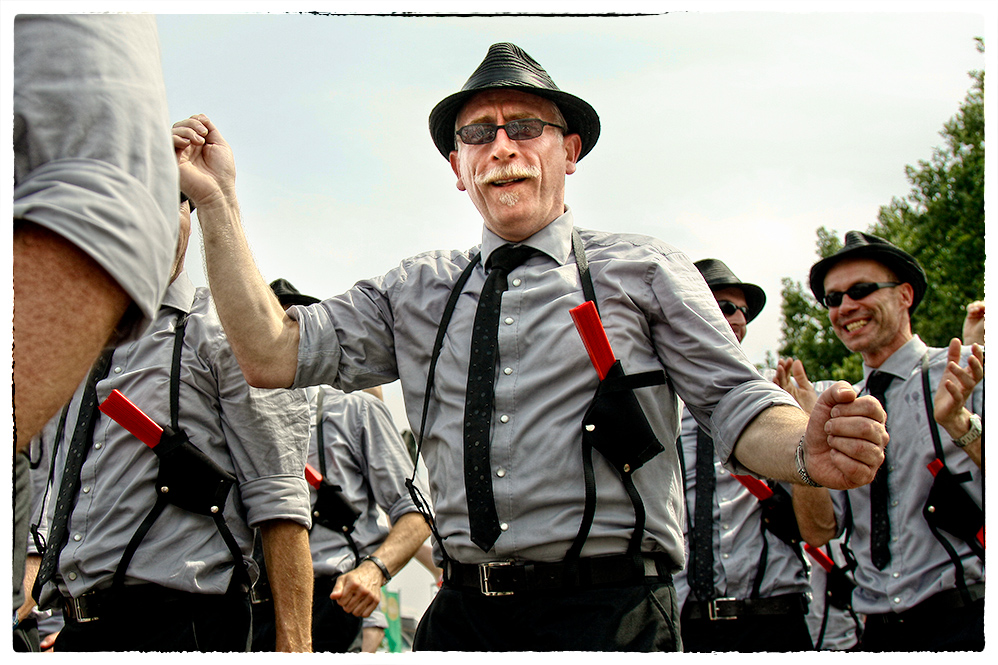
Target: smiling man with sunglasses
[
  {"x": 921, "y": 583},
  {"x": 519, "y": 433}
]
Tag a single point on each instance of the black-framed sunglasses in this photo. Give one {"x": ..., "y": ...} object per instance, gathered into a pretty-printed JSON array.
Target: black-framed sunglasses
[
  {"x": 856, "y": 292},
  {"x": 183, "y": 197},
  {"x": 516, "y": 130},
  {"x": 729, "y": 308}
]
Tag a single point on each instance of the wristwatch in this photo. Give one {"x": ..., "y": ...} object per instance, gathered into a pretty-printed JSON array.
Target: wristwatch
[{"x": 974, "y": 431}]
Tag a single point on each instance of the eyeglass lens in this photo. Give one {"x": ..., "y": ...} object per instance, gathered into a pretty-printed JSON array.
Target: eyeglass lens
[
  {"x": 856, "y": 292},
  {"x": 516, "y": 130}
]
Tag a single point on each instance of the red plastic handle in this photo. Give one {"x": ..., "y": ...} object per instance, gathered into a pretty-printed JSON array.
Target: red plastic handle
[
  {"x": 590, "y": 328},
  {"x": 313, "y": 477},
  {"x": 118, "y": 408},
  {"x": 818, "y": 555},
  {"x": 757, "y": 487}
]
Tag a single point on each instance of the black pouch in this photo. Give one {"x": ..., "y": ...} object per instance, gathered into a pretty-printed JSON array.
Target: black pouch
[
  {"x": 616, "y": 426},
  {"x": 188, "y": 478},
  {"x": 778, "y": 517},
  {"x": 332, "y": 510},
  {"x": 951, "y": 509},
  {"x": 839, "y": 588}
]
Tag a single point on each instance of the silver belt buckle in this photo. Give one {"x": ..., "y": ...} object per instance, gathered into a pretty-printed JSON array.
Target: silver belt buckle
[
  {"x": 77, "y": 609},
  {"x": 712, "y": 613},
  {"x": 483, "y": 577}
]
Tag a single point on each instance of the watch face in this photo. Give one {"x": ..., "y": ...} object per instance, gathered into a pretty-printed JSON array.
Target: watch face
[{"x": 972, "y": 433}]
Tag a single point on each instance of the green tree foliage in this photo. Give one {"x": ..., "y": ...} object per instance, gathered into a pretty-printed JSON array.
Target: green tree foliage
[{"x": 940, "y": 222}]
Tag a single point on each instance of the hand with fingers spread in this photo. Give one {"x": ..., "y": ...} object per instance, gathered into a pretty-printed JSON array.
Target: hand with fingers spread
[
  {"x": 790, "y": 376},
  {"x": 955, "y": 387},
  {"x": 973, "y": 325}
]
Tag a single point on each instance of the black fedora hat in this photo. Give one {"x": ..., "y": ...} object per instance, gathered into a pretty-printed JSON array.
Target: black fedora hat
[
  {"x": 289, "y": 295},
  {"x": 719, "y": 276},
  {"x": 508, "y": 66},
  {"x": 859, "y": 245}
]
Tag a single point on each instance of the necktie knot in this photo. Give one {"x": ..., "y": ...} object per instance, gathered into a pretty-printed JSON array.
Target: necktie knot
[
  {"x": 878, "y": 383},
  {"x": 508, "y": 257}
]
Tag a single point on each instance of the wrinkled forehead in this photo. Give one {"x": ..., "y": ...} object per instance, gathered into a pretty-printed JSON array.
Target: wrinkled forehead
[
  {"x": 847, "y": 272},
  {"x": 486, "y": 106}
]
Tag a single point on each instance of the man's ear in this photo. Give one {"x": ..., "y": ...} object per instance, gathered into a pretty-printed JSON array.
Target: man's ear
[
  {"x": 907, "y": 292},
  {"x": 455, "y": 165},
  {"x": 573, "y": 146}
]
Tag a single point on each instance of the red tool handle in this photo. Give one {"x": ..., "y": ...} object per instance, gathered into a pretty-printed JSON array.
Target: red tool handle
[
  {"x": 590, "y": 328},
  {"x": 757, "y": 487},
  {"x": 118, "y": 408},
  {"x": 819, "y": 555},
  {"x": 313, "y": 477}
]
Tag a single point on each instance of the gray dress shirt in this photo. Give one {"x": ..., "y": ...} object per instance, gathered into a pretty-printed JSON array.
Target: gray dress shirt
[
  {"x": 260, "y": 436},
  {"x": 367, "y": 458},
  {"x": 658, "y": 314},
  {"x": 737, "y": 535},
  {"x": 919, "y": 566},
  {"x": 93, "y": 157}
]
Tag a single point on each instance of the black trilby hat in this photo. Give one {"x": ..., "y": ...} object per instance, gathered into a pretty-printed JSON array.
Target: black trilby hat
[
  {"x": 508, "y": 66},
  {"x": 719, "y": 276},
  {"x": 289, "y": 295},
  {"x": 861, "y": 245}
]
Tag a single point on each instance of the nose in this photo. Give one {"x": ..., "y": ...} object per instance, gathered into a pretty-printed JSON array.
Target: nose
[{"x": 503, "y": 147}]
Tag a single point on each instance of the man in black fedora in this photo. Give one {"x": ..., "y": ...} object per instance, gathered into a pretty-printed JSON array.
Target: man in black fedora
[
  {"x": 916, "y": 531},
  {"x": 744, "y": 588},
  {"x": 556, "y": 502}
]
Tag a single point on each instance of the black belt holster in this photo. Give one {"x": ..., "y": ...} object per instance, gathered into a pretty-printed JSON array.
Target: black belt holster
[
  {"x": 188, "y": 478},
  {"x": 951, "y": 509},
  {"x": 332, "y": 510}
]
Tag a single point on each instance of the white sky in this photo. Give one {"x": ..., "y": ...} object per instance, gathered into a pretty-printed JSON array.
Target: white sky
[{"x": 728, "y": 133}]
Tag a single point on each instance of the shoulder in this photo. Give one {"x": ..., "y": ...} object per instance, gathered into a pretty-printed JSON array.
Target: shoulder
[{"x": 626, "y": 245}]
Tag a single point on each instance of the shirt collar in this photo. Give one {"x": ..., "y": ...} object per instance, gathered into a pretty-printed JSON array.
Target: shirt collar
[
  {"x": 901, "y": 362},
  {"x": 555, "y": 239},
  {"x": 180, "y": 294}
]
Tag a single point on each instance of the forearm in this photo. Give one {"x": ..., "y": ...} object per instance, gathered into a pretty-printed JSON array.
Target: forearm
[
  {"x": 815, "y": 514},
  {"x": 957, "y": 427},
  {"x": 769, "y": 444},
  {"x": 405, "y": 538},
  {"x": 289, "y": 570},
  {"x": 263, "y": 338},
  {"x": 31, "y": 564}
]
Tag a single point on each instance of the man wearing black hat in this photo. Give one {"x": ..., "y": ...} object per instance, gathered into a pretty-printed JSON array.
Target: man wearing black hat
[
  {"x": 916, "y": 532},
  {"x": 745, "y": 582},
  {"x": 519, "y": 432}
]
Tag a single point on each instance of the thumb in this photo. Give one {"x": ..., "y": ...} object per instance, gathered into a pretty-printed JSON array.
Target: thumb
[
  {"x": 337, "y": 588},
  {"x": 800, "y": 375}
]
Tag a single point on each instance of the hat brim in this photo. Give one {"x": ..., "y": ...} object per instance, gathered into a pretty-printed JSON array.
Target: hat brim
[
  {"x": 580, "y": 117},
  {"x": 900, "y": 262},
  {"x": 300, "y": 299}
]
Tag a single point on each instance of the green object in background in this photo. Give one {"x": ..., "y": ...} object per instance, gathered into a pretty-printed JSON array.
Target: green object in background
[{"x": 393, "y": 634}]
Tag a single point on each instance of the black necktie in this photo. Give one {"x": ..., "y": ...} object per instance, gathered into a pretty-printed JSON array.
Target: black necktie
[
  {"x": 880, "y": 523},
  {"x": 702, "y": 580},
  {"x": 79, "y": 447},
  {"x": 478, "y": 402}
]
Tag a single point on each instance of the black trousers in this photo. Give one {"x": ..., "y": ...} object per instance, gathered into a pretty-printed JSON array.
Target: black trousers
[
  {"x": 151, "y": 618},
  {"x": 747, "y": 634},
  {"x": 333, "y": 630},
  {"x": 640, "y": 617},
  {"x": 960, "y": 629}
]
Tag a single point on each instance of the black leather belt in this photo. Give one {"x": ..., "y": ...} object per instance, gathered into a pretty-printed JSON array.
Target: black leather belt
[
  {"x": 100, "y": 603},
  {"x": 504, "y": 578},
  {"x": 951, "y": 599},
  {"x": 721, "y": 609}
]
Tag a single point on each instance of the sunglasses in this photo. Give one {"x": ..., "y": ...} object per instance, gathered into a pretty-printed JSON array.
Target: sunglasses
[
  {"x": 856, "y": 292},
  {"x": 729, "y": 308},
  {"x": 516, "y": 130}
]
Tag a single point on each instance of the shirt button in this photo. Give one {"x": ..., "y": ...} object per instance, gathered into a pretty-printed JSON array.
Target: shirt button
[
  {"x": 504, "y": 526},
  {"x": 517, "y": 281},
  {"x": 508, "y": 320},
  {"x": 71, "y": 576},
  {"x": 504, "y": 419},
  {"x": 725, "y": 555},
  {"x": 725, "y": 526},
  {"x": 86, "y": 489},
  {"x": 98, "y": 445},
  {"x": 894, "y": 503},
  {"x": 896, "y": 600},
  {"x": 507, "y": 371},
  {"x": 501, "y": 473},
  {"x": 77, "y": 537},
  {"x": 117, "y": 370},
  {"x": 896, "y": 575}
]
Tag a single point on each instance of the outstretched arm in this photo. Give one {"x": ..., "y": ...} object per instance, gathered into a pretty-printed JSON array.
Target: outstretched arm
[
  {"x": 263, "y": 337},
  {"x": 955, "y": 387},
  {"x": 358, "y": 592},
  {"x": 843, "y": 440}
]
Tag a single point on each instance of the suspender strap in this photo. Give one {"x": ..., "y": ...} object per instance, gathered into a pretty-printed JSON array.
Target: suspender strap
[
  {"x": 421, "y": 504},
  {"x": 240, "y": 575},
  {"x": 583, "y": 263},
  {"x": 346, "y": 530}
]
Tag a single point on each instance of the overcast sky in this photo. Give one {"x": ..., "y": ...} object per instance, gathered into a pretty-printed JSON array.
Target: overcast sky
[{"x": 728, "y": 134}]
